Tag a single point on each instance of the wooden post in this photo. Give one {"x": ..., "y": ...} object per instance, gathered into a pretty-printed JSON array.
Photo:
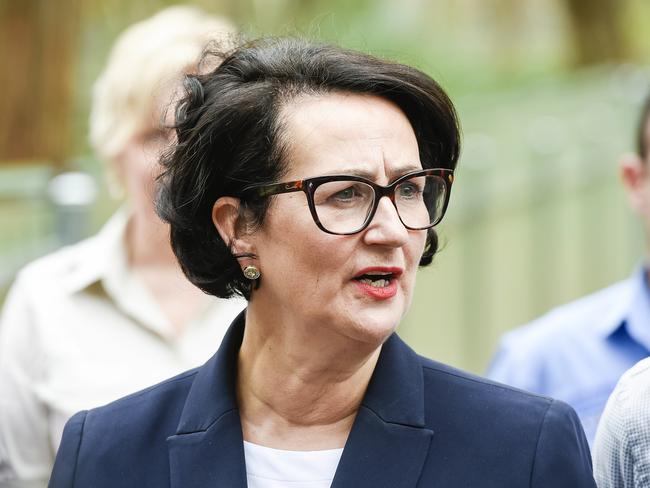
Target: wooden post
[
  {"x": 38, "y": 51},
  {"x": 597, "y": 30}
]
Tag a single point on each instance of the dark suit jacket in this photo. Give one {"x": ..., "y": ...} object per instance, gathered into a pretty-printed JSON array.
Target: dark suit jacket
[{"x": 421, "y": 424}]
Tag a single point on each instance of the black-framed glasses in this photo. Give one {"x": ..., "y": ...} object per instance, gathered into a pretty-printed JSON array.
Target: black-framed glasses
[{"x": 346, "y": 204}]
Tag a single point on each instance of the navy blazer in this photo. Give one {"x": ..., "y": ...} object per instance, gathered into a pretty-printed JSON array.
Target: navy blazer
[{"x": 421, "y": 424}]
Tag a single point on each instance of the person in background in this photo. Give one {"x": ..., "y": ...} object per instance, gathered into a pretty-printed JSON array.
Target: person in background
[
  {"x": 309, "y": 179},
  {"x": 578, "y": 352},
  {"x": 114, "y": 313},
  {"x": 622, "y": 447}
]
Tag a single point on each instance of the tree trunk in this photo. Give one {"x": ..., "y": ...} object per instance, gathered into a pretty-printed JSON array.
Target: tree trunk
[
  {"x": 597, "y": 30},
  {"x": 38, "y": 52}
]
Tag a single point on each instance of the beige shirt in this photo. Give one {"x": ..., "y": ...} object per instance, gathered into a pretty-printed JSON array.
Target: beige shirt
[{"x": 79, "y": 330}]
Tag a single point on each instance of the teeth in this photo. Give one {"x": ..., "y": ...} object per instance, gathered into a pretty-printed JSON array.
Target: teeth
[{"x": 375, "y": 283}]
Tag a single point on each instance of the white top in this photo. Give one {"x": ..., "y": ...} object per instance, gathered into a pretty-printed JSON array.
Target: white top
[
  {"x": 274, "y": 468},
  {"x": 79, "y": 330},
  {"x": 622, "y": 447}
]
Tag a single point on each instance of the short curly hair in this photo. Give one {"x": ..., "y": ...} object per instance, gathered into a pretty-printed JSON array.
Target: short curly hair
[{"x": 229, "y": 136}]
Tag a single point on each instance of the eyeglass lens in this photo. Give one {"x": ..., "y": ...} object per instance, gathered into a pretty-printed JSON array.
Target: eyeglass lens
[{"x": 343, "y": 206}]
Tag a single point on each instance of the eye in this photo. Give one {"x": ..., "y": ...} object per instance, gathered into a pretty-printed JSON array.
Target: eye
[
  {"x": 343, "y": 194},
  {"x": 409, "y": 190},
  {"x": 346, "y": 194}
]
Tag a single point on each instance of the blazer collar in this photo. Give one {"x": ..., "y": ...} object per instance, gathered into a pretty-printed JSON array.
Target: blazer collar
[
  {"x": 387, "y": 445},
  {"x": 396, "y": 389},
  {"x": 208, "y": 448}
]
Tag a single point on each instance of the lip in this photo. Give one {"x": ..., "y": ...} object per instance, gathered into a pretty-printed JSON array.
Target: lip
[
  {"x": 395, "y": 271},
  {"x": 383, "y": 293}
]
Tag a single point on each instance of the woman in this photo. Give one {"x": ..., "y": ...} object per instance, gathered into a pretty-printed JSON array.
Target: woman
[
  {"x": 112, "y": 314},
  {"x": 308, "y": 179}
]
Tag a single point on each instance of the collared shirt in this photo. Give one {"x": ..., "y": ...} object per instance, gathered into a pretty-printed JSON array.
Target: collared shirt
[
  {"x": 622, "y": 448},
  {"x": 78, "y": 330},
  {"x": 577, "y": 352}
]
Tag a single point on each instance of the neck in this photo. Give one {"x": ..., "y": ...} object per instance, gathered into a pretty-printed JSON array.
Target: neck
[
  {"x": 147, "y": 242},
  {"x": 150, "y": 256},
  {"x": 294, "y": 381}
]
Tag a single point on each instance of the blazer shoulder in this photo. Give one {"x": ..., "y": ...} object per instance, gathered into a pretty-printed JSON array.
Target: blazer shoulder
[
  {"x": 435, "y": 369},
  {"x": 143, "y": 404},
  {"x": 64, "y": 474},
  {"x": 521, "y": 437},
  {"x": 473, "y": 392},
  {"x": 150, "y": 416},
  {"x": 99, "y": 446}
]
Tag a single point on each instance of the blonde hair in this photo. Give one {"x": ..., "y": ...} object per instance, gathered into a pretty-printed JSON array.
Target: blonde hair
[{"x": 146, "y": 61}]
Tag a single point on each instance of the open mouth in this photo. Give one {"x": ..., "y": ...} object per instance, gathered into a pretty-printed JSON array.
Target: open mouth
[
  {"x": 378, "y": 283},
  {"x": 378, "y": 276},
  {"x": 378, "y": 280}
]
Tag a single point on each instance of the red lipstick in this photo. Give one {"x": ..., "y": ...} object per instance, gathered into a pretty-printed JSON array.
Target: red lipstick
[{"x": 378, "y": 282}]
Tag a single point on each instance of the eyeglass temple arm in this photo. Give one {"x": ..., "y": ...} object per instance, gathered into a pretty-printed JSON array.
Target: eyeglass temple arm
[{"x": 276, "y": 188}]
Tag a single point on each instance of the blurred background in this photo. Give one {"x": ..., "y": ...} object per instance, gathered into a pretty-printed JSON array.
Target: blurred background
[{"x": 547, "y": 91}]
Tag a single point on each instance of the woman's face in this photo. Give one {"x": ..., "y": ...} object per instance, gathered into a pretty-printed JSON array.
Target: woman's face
[
  {"x": 137, "y": 164},
  {"x": 314, "y": 276}
]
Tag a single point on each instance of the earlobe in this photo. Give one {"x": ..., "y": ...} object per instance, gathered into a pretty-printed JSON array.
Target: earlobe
[
  {"x": 633, "y": 174},
  {"x": 225, "y": 217}
]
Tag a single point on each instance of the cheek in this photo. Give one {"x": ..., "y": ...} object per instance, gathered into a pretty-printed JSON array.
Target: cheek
[
  {"x": 137, "y": 167},
  {"x": 416, "y": 246},
  {"x": 291, "y": 245},
  {"x": 148, "y": 167}
]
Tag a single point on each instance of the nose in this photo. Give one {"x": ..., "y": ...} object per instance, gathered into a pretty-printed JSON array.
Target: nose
[{"x": 386, "y": 228}]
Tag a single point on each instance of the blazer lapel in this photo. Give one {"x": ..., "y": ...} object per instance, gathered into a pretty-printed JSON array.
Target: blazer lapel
[
  {"x": 214, "y": 458},
  {"x": 388, "y": 443},
  {"x": 208, "y": 449}
]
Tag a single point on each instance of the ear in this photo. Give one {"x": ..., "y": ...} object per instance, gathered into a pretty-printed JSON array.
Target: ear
[
  {"x": 633, "y": 175},
  {"x": 225, "y": 217}
]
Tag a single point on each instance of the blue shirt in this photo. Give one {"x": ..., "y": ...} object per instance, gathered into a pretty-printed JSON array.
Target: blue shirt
[{"x": 577, "y": 352}]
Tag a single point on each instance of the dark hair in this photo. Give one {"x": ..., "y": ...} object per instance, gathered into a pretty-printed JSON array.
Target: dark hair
[
  {"x": 229, "y": 136},
  {"x": 641, "y": 136}
]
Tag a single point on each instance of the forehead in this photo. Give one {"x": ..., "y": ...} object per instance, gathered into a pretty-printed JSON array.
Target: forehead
[{"x": 345, "y": 133}]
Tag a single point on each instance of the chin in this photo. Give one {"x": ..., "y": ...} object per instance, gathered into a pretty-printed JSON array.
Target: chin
[{"x": 374, "y": 327}]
